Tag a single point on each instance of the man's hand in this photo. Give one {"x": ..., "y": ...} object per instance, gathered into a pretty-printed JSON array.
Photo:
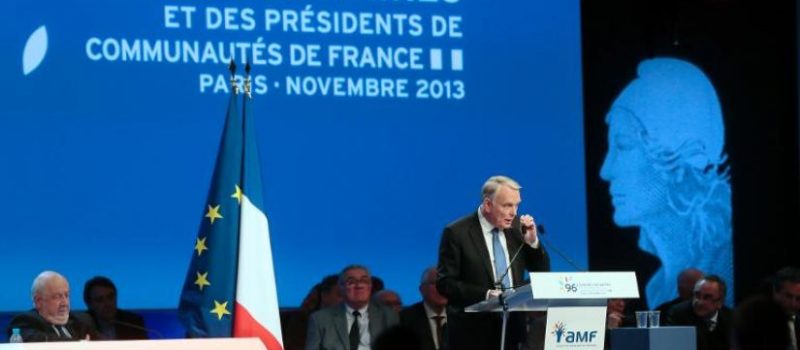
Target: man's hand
[
  {"x": 614, "y": 320},
  {"x": 529, "y": 229},
  {"x": 493, "y": 293}
]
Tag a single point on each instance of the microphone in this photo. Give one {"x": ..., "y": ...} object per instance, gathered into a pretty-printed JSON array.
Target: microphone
[
  {"x": 138, "y": 327},
  {"x": 558, "y": 252},
  {"x": 499, "y": 283},
  {"x": 540, "y": 230}
]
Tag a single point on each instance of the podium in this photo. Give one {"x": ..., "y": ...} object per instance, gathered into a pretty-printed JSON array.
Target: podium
[{"x": 575, "y": 303}]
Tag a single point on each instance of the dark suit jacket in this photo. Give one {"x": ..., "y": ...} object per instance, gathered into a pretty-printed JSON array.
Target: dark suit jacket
[
  {"x": 465, "y": 274},
  {"x": 682, "y": 315},
  {"x": 129, "y": 326},
  {"x": 664, "y": 308},
  {"x": 415, "y": 319},
  {"x": 34, "y": 328},
  {"x": 328, "y": 328}
]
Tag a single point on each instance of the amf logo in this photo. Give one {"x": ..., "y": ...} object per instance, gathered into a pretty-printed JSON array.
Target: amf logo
[{"x": 563, "y": 335}]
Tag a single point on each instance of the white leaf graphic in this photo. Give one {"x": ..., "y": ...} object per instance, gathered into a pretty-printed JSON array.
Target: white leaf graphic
[{"x": 35, "y": 49}]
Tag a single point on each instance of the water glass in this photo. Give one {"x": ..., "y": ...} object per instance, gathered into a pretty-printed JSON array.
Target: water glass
[
  {"x": 654, "y": 318},
  {"x": 641, "y": 319}
]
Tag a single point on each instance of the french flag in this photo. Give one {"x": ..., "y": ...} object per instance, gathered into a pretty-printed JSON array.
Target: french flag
[{"x": 257, "y": 313}]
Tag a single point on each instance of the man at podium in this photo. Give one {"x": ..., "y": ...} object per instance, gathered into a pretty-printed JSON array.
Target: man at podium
[{"x": 476, "y": 263}]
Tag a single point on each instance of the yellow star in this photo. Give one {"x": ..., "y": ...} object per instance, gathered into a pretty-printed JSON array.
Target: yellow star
[
  {"x": 200, "y": 246},
  {"x": 213, "y": 213},
  {"x": 237, "y": 194},
  {"x": 220, "y": 309},
  {"x": 202, "y": 280}
]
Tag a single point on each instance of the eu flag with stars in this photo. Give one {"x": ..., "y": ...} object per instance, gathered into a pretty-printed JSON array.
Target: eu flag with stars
[{"x": 208, "y": 293}]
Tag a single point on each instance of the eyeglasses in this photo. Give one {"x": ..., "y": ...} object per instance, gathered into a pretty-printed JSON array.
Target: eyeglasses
[
  {"x": 707, "y": 297},
  {"x": 56, "y": 296},
  {"x": 351, "y": 282}
]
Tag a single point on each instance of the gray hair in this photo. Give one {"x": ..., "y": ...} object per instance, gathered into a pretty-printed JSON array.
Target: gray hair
[
  {"x": 490, "y": 187},
  {"x": 424, "y": 278},
  {"x": 352, "y": 267},
  {"x": 41, "y": 280},
  {"x": 381, "y": 293}
]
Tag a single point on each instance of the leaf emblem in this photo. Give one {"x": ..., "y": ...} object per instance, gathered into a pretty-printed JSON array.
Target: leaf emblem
[{"x": 35, "y": 49}]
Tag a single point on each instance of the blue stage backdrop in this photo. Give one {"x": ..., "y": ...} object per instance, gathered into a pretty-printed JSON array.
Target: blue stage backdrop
[{"x": 378, "y": 122}]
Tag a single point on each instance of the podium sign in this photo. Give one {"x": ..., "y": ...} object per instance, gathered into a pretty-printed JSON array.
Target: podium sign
[
  {"x": 584, "y": 285},
  {"x": 575, "y": 328},
  {"x": 575, "y": 304},
  {"x": 579, "y": 327}
]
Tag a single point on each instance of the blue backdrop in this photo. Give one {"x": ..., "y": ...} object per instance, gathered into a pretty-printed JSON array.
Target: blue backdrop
[{"x": 109, "y": 146}]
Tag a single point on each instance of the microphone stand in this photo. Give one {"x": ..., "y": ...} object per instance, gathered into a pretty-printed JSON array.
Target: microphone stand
[
  {"x": 502, "y": 299},
  {"x": 147, "y": 331},
  {"x": 504, "y": 304}
]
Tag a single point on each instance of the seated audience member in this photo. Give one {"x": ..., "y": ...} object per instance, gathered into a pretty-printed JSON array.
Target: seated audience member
[
  {"x": 356, "y": 322},
  {"x": 615, "y": 314},
  {"x": 100, "y": 296},
  {"x": 377, "y": 284},
  {"x": 389, "y": 298},
  {"x": 760, "y": 323},
  {"x": 707, "y": 313},
  {"x": 321, "y": 295},
  {"x": 616, "y": 317},
  {"x": 686, "y": 281},
  {"x": 52, "y": 320},
  {"x": 427, "y": 318},
  {"x": 786, "y": 291}
]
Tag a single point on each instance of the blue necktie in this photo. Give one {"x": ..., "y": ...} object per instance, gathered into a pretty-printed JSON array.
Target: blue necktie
[{"x": 499, "y": 258}]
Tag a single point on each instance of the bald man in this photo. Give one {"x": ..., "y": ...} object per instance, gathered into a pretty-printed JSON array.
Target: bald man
[
  {"x": 686, "y": 281},
  {"x": 51, "y": 320}
]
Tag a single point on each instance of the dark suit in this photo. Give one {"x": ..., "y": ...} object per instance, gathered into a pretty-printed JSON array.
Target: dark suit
[
  {"x": 415, "y": 319},
  {"x": 664, "y": 308},
  {"x": 328, "y": 328},
  {"x": 466, "y": 274},
  {"x": 719, "y": 339},
  {"x": 128, "y": 326},
  {"x": 34, "y": 328}
]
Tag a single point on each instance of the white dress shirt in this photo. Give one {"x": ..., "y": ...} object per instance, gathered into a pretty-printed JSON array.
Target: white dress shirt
[{"x": 363, "y": 325}]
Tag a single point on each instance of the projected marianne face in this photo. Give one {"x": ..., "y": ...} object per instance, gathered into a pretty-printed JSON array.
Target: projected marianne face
[
  {"x": 665, "y": 169},
  {"x": 638, "y": 189}
]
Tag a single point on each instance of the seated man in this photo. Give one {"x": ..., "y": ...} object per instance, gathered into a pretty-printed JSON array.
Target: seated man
[
  {"x": 707, "y": 313},
  {"x": 786, "y": 291},
  {"x": 428, "y": 317},
  {"x": 52, "y": 320},
  {"x": 100, "y": 296},
  {"x": 389, "y": 298},
  {"x": 760, "y": 323},
  {"x": 686, "y": 281},
  {"x": 616, "y": 316},
  {"x": 355, "y": 323}
]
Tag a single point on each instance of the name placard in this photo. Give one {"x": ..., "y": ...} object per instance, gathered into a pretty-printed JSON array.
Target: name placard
[{"x": 584, "y": 285}]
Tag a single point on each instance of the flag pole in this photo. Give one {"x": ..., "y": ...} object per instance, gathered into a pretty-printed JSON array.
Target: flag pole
[
  {"x": 232, "y": 68},
  {"x": 247, "y": 90}
]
